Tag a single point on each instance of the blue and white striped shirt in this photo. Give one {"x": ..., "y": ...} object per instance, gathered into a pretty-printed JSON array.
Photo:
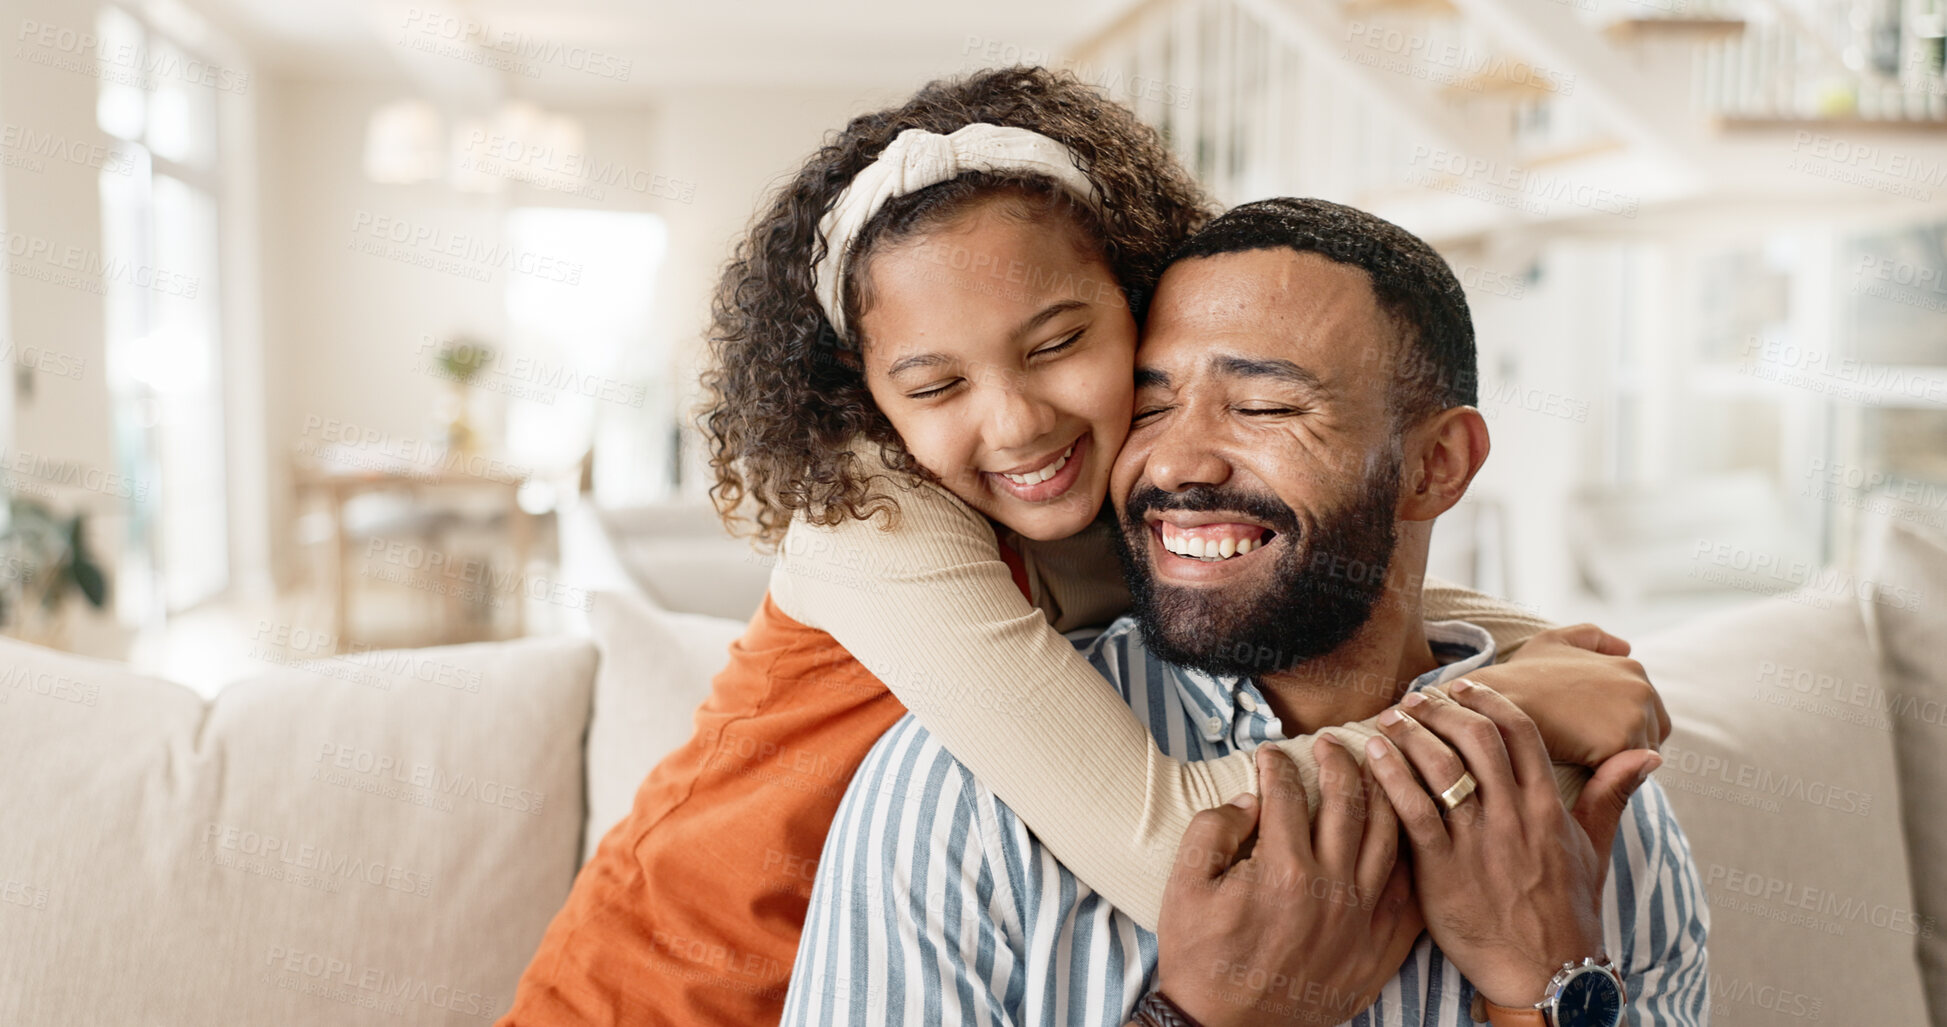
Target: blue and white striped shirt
[{"x": 934, "y": 904}]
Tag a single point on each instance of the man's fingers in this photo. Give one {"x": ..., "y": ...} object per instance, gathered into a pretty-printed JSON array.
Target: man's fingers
[
  {"x": 1416, "y": 810},
  {"x": 1285, "y": 826},
  {"x": 1379, "y": 848},
  {"x": 1342, "y": 809},
  {"x": 1521, "y": 744},
  {"x": 1426, "y": 753},
  {"x": 1604, "y": 798},
  {"x": 1210, "y": 843}
]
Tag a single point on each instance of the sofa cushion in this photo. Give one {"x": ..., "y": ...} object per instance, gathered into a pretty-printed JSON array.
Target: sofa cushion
[
  {"x": 656, "y": 669},
  {"x": 1781, "y": 769},
  {"x": 371, "y": 839},
  {"x": 1909, "y": 578}
]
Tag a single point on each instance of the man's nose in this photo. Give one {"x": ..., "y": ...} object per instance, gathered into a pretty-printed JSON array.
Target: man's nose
[
  {"x": 1017, "y": 417},
  {"x": 1186, "y": 455}
]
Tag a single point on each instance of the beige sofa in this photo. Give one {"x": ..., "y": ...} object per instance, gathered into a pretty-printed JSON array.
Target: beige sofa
[{"x": 382, "y": 839}]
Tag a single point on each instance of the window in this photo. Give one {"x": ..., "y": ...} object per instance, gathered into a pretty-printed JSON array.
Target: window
[{"x": 159, "y": 238}]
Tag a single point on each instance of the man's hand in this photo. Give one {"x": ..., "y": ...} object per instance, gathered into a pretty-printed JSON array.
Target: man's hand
[
  {"x": 1311, "y": 924},
  {"x": 1510, "y": 883},
  {"x": 1580, "y": 687}
]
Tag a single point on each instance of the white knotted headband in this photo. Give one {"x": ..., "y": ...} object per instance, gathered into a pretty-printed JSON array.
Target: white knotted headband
[{"x": 917, "y": 159}]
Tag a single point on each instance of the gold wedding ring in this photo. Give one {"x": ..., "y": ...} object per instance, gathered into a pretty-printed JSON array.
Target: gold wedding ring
[{"x": 1458, "y": 792}]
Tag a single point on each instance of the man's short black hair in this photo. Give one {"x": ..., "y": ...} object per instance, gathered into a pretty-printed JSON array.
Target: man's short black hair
[{"x": 1414, "y": 286}]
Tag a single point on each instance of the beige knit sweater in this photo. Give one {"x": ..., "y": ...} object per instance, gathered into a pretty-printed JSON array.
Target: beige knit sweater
[{"x": 929, "y": 607}]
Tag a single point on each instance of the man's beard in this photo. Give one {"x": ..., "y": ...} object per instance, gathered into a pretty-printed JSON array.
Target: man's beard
[{"x": 1323, "y": 588}]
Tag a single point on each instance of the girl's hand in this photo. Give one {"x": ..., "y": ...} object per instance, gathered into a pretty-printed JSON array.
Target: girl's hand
[
  {"x": 1579, "y": 686},
  {"x": 1509, "y": 881},
  {"x": 1306, "y": 928}
]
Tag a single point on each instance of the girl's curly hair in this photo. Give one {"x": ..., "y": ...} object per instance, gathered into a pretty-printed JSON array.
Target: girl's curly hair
[{"x": 786, "y": 395}]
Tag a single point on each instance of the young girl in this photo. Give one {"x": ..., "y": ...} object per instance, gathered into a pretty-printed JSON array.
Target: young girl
[{"x": 938, "y": 518}]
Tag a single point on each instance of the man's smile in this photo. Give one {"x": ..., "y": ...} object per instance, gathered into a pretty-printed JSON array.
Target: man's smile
[{"x": 1205, "y": 545}]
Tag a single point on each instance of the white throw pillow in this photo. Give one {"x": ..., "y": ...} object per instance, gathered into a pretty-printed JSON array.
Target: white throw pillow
[
  {"x": 373, "y": 839},
  {"x": 1783, "y": 776},
  {"x": 656, "y": 669},
  {"x": 1910, "y": 614}
]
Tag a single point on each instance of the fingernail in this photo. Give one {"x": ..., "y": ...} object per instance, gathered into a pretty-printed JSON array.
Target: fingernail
[
  {"x": 1377, "y": 749},
  {"x": 1412, "y": 699},
  {"x": 1649, "y": 767},
  {"x": 1391, "y": 717},
  {"x": 1244, "y": 801},
  {"x": 1460, "y": 686}
]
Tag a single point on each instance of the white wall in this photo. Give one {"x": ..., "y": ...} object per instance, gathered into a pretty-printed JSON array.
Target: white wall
[
  {"x": 344, "y": 326},
  {"x": 737, "y": 144}
]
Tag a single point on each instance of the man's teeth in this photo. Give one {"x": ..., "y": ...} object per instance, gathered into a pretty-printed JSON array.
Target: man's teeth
[
  {"x": 1208, "y": 549},
  {"x": 1037, "y": 477}
]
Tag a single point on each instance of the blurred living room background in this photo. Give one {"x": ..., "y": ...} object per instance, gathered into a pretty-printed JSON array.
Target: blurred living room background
[{"x": 339, "y": 325}]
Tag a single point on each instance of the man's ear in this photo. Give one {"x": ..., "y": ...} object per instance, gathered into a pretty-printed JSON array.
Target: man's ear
[{"x": 1443, "y": 454}]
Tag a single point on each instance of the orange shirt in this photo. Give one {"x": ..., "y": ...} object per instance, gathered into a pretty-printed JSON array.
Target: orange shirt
[{"x": 689, "y": 913}]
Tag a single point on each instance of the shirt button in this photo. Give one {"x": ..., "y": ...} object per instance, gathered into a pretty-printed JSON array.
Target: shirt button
[
  {"x": 1244, "y": 699},
  {"x": 1213, "y": 727}
]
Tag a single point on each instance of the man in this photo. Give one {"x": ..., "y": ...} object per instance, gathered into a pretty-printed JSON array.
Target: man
[{"x": 1305, "y": 385}]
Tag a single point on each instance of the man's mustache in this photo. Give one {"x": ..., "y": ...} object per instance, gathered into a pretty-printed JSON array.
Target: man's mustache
[{"x": 1212, "y": 499}]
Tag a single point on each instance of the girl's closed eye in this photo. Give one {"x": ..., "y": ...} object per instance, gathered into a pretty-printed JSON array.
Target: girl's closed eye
[{"x": 936, "y": 391}]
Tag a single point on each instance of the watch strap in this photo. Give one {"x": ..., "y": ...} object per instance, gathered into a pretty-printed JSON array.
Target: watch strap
[{"x": 1509, "y": 1016}]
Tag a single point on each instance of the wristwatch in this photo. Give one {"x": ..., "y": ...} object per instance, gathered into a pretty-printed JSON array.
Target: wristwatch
[{"x": 1585, "y": 994}]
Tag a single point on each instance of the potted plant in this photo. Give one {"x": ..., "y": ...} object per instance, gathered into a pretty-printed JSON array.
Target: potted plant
[{"x": 44, "y": 559}]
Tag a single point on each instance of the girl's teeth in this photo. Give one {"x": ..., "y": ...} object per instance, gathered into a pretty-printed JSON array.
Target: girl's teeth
[{"x": 1037, "y": 477}]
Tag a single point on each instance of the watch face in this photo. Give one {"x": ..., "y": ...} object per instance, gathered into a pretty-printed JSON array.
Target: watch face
[{"x": 1589, "y": 999}]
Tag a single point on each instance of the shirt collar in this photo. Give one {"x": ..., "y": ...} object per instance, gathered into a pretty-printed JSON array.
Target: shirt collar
[{"x": 1232, "y": 709}]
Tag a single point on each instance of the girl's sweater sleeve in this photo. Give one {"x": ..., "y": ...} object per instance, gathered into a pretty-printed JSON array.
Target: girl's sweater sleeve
[{"x": 930, "y": 608}]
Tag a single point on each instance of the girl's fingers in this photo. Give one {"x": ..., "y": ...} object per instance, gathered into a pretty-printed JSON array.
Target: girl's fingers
[
  {"x": 1518, "y": 740},
  {"x": 1415, "y": 808}
]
